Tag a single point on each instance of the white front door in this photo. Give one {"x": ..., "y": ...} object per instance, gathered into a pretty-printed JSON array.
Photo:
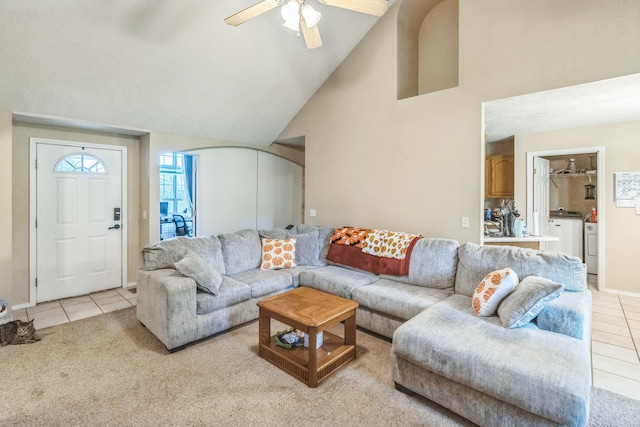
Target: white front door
[
  {"x": 541, "y": 195},
  {"x": 78, "y": 220}
]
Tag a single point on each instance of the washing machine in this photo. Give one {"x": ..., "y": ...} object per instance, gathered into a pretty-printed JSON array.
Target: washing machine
[{"x": 591, "y": 247}]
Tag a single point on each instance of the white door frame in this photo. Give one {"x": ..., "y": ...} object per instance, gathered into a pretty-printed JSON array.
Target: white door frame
[
  {"x": 601, "y": 286},
  {"x": 33, "y": 198}
]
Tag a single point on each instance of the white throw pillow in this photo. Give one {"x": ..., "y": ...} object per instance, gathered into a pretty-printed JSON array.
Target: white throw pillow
[
  {"x": 278, "y": 254},
  {"x": 493, "y": 288}
]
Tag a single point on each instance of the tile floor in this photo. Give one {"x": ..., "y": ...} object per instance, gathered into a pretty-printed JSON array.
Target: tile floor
[
  {"x": 69, "y": 309},
  {"x": 615, "y": 343}
]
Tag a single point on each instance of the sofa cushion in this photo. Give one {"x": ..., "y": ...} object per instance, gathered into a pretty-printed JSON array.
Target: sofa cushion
[
  {"x": 206, "y": 277},
  {"x": 476, "y": 261},
  {"x": 166, "y": 253},
  {"x": 539, "y": 371},
  {"x": 324, "y": 239},
  {"x": 264, "y": 282},
  {"x": 297, "y": 271},
  {"x": 278, "y": 254},
  {"x": 399, "y": 300},
  {"x": 434, "y": 263},
  {"x": 336, "y": 280},
  {"x": 493, "y": 289},
  {"x": 230, "y": 292},
  {"x": 308, "y": 249},
  {"x": 527, "y": 300},
  {"x": 276, "y": 233},
  {"x": 241, "y": 250},
  {"x": 569, "y": 314}
]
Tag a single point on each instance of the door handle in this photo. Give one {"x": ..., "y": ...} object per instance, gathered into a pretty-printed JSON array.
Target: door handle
[{"x": 115, "y": 227}]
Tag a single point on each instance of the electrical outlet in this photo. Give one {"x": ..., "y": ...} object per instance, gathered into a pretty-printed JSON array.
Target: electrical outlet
[
  {"x": 312, "y": 212},
  {"x": 465, "y": 222}
]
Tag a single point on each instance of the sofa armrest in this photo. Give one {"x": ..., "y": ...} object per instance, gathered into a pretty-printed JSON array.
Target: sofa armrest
[
  {"x": 569, "y": 314},
  {"x": 166, "y": 305}
]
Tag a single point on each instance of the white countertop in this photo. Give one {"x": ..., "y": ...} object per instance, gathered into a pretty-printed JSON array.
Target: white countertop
[{"x": 521, "y": 239}]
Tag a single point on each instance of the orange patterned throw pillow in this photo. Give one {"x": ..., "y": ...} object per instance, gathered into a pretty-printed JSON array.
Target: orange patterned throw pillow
[
  {"x": 493, "y": 288},
  {"x": 278, "y": 254}
]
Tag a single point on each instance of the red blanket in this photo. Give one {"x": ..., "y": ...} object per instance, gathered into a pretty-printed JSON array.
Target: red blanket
[{"x": 354, "y": 257}]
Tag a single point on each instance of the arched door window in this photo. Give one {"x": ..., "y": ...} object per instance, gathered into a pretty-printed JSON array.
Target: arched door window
[{"x": 80, "y": 163}]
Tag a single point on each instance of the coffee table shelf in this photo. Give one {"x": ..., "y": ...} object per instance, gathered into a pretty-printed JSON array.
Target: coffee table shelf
[
  {"x": 310, "y": 311},
  {"x": 332, "y": 355}
]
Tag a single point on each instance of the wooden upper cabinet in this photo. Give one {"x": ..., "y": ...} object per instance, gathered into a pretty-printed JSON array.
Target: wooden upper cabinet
[{"x": 499, "y": 177}]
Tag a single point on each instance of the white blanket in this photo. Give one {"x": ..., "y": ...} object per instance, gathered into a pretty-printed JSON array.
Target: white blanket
[{"x": 387, "y": 244}]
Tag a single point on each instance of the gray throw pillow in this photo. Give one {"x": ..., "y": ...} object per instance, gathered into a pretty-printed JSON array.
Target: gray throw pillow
[
  {"x": 324, "y": 239},
  {"x": 527, "y": 300},
  {"x": 307, "y": 249},
  {"x": 206, "y": 277}
]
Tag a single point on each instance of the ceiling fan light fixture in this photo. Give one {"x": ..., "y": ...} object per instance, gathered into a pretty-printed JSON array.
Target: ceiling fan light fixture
[
  {"x": 295, "y": 11},
  {"x": 292, "y": 25},
  {"x": 311, "y": 16},
  {"x": 291, "y": 14}
]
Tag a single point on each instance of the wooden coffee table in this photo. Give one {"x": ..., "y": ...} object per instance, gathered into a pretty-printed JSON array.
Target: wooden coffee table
[{"x": 310, "y": 311}]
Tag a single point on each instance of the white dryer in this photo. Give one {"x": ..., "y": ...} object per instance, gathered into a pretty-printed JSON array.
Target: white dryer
[{"x": 591, "y": 247}]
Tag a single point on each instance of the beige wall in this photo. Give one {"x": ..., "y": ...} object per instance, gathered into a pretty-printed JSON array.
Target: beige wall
[
  {"x": 438, "y": 48},
  {"x": 156, "y": 143},
  {"x": 415, "y": 165},
  {"x": 20, "y": 205},
  {"x": 371, "y": 160},
  {"x": 142, "y": 191},
  {"x": 621, "y": 144},
  {"x": 6, "y": 220}
]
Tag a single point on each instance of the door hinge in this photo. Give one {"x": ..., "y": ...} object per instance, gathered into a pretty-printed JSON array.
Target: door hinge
[
  {"x": 36, "y": 282},
  {"x": 534, "y": 171}
]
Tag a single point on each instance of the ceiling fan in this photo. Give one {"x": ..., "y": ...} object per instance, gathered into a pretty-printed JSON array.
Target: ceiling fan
[{"x": 301, "y": 17}]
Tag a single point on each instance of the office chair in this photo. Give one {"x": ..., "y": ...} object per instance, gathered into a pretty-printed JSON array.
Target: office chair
[{"x": 184, "y": 227}]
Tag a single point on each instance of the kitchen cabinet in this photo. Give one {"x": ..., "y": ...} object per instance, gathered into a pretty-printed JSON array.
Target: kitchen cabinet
[{"x": 499, "y": 177}]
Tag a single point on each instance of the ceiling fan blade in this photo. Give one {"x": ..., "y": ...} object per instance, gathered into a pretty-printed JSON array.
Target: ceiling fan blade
[
  {"x": 370, "y": 7},
  {"x": 311, "y": 35},
  {"x": 252, "y": 11}
]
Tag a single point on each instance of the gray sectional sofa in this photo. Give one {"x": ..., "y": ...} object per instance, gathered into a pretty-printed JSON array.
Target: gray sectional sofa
[{"x": 536, "y": 374}]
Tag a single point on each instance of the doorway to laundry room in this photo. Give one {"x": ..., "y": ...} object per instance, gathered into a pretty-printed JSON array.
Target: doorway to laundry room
[{"x": 566, "y": 193}]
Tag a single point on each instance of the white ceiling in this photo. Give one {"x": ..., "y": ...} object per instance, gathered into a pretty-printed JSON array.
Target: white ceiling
[
  {"x": 133, "y": 66},
  {"x": 166, "y": 66},
  {"x": 607, "y": 101}
]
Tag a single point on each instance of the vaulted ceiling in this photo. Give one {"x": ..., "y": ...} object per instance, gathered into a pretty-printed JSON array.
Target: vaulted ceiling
[
  {"x": 135, "y": 66},
  {"x": 166, "y": 66}
]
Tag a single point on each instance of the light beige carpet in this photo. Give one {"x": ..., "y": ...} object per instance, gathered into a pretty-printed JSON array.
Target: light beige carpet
[{"x": 109, "y": 370}]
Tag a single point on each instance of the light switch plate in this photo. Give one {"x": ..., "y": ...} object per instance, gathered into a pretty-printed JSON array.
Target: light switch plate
[
  {"x": 312, "y": 212},
  {"x": 465, "y": 222}
]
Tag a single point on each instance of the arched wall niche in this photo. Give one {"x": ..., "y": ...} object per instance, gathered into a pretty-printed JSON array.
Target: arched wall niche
[{"x": 427, "y": 46}]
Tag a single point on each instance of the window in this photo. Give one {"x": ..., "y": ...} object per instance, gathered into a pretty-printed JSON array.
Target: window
[
  {"x": 172, "y": 183},
  {"x": 80, "y": 163}
]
